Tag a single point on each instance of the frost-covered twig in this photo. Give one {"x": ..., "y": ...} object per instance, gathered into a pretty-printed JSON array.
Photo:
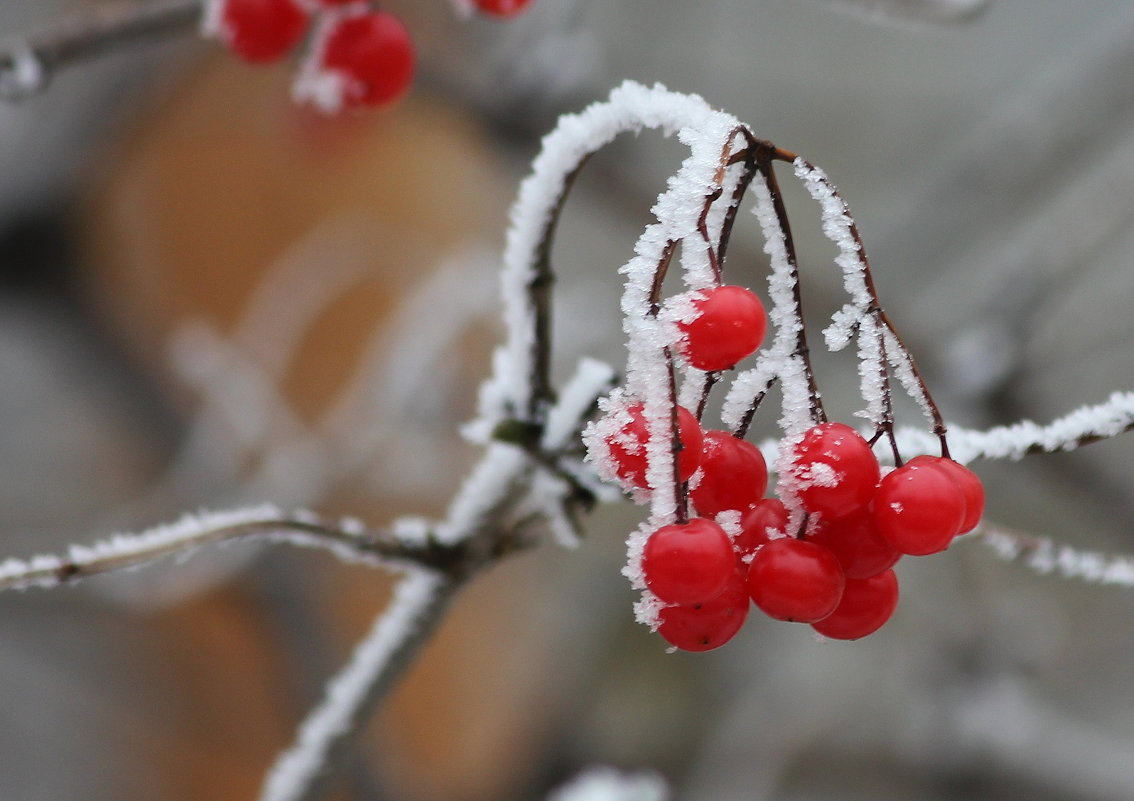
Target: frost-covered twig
[
  {"x": 1083, "y": 426},
  {"x": 418, "y": 606},
  {"x": 346, "y": 539},
  {"x": 26, "y": 66},
  {"x": 1048, "y": 557}
]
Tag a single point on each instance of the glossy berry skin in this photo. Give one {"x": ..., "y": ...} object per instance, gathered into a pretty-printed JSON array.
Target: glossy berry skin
[
  {"x": 968, "y": 481},
  {"x": 708, "y": 625},
  {"x": 857, "y": 543},
  {"x": 374, "y": 56},
  {"x": 688, "y": 563},
  {"x": 628, "y": 446},
  {"x": 734, "y": 475},
  {"x": 260, "y": 31},
  {"x": 767, "y": 513},
  {"x": 795, "y": 580},
  {"x": 835, "y": 470},
  {"x": 865, "y": 607},
  {"x": 730, "y": 325},
  {"x": 919, "y": 508},
  {"x": 502, "y": 8}
]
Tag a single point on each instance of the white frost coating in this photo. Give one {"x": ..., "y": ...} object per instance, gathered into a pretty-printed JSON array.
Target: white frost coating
[
  {"x": 872, "y": 372},
  {"x": 321, "y": 88},
  {"x": 488, "y": 483},
  {"x": 1100, "y": 421},
  {"x": 852, "y": 318},
  {"x": 838, "y": 227},
  {"x": 592, "y": 379},
  {"x": 184, "y": 535},
  {"x": 296, "y": 768},
  {"x": 546, "y": 496},
  {"x": 212, "y": 21},
  {"x": 903, "y": 367},
  {"x": 630, "y": 107},
  {"x": 609, "y": 784},
  {"x": 1046, "y": 557}
]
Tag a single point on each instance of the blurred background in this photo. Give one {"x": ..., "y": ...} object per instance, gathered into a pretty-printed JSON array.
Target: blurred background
[{"x": 210, "y": 297}]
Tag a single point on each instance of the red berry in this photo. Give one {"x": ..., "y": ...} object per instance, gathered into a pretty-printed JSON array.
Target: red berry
[
  {"x": 729, "y": 325},
  {"x": 734, "y": 475},
  {"x": 919, "y": 508},
  {"x": 795, "y": 580},
  {"x": 374, "y": 56},
  {"x": 262, "y": 30},
  {"x": 628, "y": 446},
  {"x": 866, "y": 605},
  {"x": 970, "y": 484},
  {"x": 834, "y": 470},
  {"x": 768, "y": 513},
  {"x": 708, "y": 625},
  {"x": 688, "y": 563},
  {"x": 857, "y": 543},
  {"x": 502, "y": 8}
]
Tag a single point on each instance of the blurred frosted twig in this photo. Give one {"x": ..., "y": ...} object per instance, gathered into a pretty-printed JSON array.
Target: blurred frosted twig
[
  {"x": 27, "y": 65},
  {"x": 1047, "y": 557}
]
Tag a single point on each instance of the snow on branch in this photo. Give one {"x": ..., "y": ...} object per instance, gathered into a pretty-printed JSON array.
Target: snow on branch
[
  {"x": 418, "y": 605},
  {"x": 346, "y": 539},
  {"x": 1083, "y": 426},
  {"x": 1047, "y": 557},
  {"x": 520, "y": 386},
  {"x": 609, "y": 784}
]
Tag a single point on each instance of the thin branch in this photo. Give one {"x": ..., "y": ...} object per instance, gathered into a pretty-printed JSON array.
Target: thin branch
[
  {"x": 396, "y": 638},
  {"x": 346, "y": 539},
  {"x": 1047, "y": 557},
  {"x": 27, "y": 66}
]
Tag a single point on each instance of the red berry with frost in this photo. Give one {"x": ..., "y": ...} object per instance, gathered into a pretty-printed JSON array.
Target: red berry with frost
[
  {"x": 970, "y": 484},
  {"x": 688, "y": 563},
  {"x": 769, "y": 514},
  {"x": 372, "y": 55},
  {"x": 728, "y": 324},
  {"x": 734, "y": 475},
  {"x": 919, "y": 508},
  {"x": 262, "y": 30},
  {"x": 502, "y": 8},
  {"x": 865, "y": 607},
  {"x": 834, "y": 470},
  {"x": 628, "y": 445},
  {"x": 707, "y": 625},
  {"x": 796, "y": 580},
  {"x": 857, "y": 543}
]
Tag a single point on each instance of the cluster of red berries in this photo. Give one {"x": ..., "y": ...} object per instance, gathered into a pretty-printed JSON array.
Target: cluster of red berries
[
  {"x": 834, "y": 568},
  {"x": 368, "y": 53}
]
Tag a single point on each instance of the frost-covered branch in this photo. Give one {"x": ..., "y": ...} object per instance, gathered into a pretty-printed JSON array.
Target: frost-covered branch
[
  {"x": 1083, "y": 426},
  {"x": 418, "y": 606},
  {"x": 346, "y": 539},
  {"x": 1047, "y": 557},
  {"x": 27, "y": 66}
]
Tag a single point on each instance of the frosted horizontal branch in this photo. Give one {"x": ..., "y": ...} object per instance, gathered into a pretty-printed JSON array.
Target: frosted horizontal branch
[
  {"x": 346, "y": 540},
  {"x": 603, "y": 783},
  {"x": 1047, "y": 557},
  {"x": 1084, "y": 425}
]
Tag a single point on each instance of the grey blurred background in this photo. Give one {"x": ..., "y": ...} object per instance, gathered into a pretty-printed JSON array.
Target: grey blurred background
[{"x": 210, "y": 298}]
